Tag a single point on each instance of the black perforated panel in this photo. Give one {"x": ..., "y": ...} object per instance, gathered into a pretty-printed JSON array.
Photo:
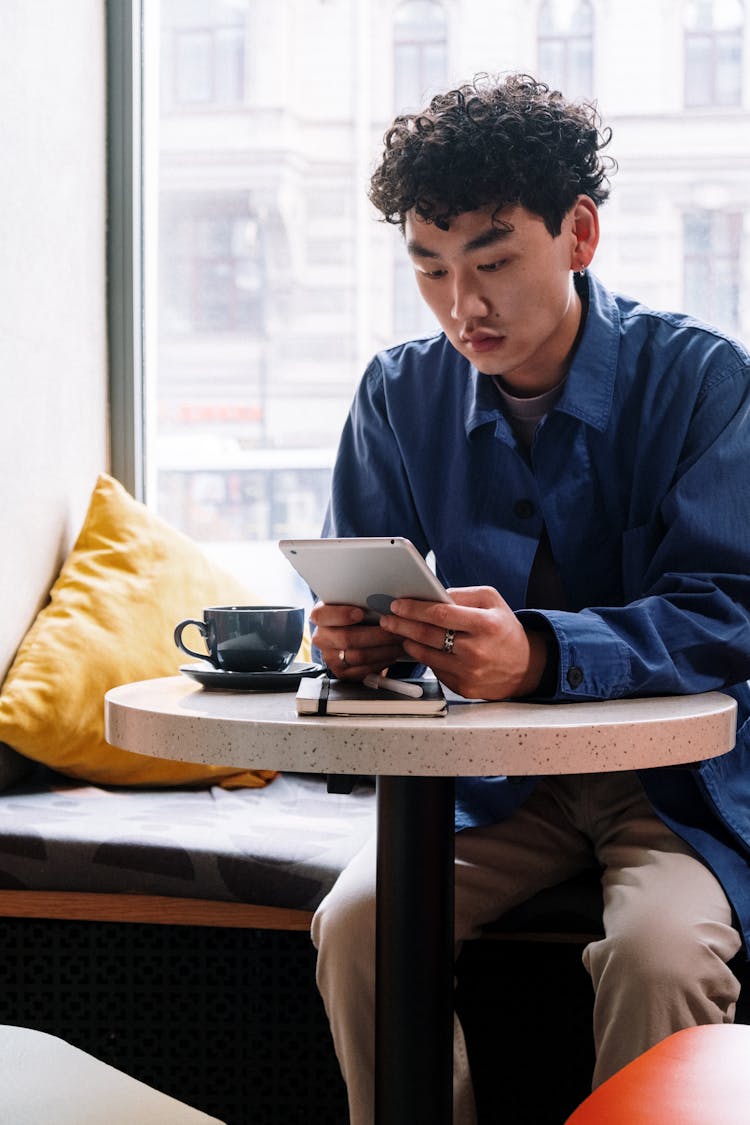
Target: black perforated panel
[{"x": 228, "y": 1021}]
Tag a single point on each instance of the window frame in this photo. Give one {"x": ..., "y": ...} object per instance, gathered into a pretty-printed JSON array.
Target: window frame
[
  {"x": 124, "y": 53},
  {"x": 714, "y": 40},
  {"x": 567, "y": 42},
  {"x": 714, "y": 261},
  {"x": 431, "y": 37}
]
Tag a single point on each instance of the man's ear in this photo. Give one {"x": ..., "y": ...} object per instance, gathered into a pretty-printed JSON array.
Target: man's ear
[{"x": 585, "y": 232}]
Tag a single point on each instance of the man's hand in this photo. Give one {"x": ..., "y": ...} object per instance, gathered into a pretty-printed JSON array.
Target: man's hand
[
  {"x": 350, "y": 649},
  {"x": 477, "y": 646}
]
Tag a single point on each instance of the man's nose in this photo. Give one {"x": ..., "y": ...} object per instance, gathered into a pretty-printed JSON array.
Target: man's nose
[{"x": 468, "y": 299}]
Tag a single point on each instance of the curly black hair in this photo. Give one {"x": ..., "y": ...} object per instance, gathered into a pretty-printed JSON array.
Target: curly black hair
[{"x": 493, "y": 141}]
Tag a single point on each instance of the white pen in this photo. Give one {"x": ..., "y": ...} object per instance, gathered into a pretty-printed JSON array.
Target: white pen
[{"x": 414, "y": 691}]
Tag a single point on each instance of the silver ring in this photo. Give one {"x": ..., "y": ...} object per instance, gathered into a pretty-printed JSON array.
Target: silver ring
[
  {"x": 342, "y": 657},
  {"x": 448, "y": 640}
]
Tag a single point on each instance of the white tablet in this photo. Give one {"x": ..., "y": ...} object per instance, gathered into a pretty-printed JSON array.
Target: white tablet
[{"x": 366, "y": 572}]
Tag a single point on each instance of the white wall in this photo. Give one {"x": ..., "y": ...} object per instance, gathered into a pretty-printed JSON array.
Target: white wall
[{"x": 53, "y": 391}]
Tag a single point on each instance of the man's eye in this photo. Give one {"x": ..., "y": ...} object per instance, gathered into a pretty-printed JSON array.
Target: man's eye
[
  {"x": 432, "y": 274},
  {"x": 492, "y": 267}
]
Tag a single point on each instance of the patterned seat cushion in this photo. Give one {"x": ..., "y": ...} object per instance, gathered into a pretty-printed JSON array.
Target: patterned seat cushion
[{"x": 283, "y": 845}]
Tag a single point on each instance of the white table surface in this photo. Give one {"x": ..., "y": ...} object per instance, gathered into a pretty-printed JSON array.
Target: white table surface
[
  {"x": 45, "y": 1079},
  {"x": 175, "y": 718}
]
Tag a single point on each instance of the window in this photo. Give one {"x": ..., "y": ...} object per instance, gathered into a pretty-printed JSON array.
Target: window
[
  {"x": 420, "y": 67},
  {"x": 713, "y": 256},
  {"x": 213, "y": 271},
  {"x": 235, "y": 505},
  {"x": 202, "y": 52},
  {"x": 565, "y": 31},
  {"x": 713, "y": 53},
  {"x": 420, "y": 52},
  {"x": 268, "y": 285},
  {"x": 255, "y": 251}
]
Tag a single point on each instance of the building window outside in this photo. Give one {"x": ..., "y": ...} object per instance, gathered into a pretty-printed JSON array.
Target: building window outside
[
  {"x": 712, "y": 263},
  {"x": 566, "y": 46},
  {"x": 213, "y": 273},
  {"x": 420, "y": 63},
  {"x": 713, "y": 53},
  {"x": 245, "y": 505},
  {"x": 203, "y": 53},
  {"x": 420, "y": 52}
]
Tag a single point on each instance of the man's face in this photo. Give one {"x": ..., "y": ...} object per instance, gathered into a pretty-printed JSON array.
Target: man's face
[{"x": 502, "y": 289}]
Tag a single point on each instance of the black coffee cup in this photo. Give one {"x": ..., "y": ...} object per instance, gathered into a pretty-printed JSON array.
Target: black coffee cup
[{"x": 247, "y": 638}]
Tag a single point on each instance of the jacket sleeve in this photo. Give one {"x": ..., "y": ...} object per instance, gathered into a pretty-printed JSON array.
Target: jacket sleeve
[{"x": 687, "y": 627}]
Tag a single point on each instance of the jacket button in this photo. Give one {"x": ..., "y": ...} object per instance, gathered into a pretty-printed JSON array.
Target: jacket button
[
  {"x": 575, "y": 676},
  {"x": 524, "y": 509}
]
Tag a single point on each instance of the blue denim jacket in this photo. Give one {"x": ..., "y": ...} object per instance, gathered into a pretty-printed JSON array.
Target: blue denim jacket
[{"x": 639, "y": 475}]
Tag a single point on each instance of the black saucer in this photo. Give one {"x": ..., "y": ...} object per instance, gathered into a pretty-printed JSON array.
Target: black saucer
[{"x": 216, "y": 679}]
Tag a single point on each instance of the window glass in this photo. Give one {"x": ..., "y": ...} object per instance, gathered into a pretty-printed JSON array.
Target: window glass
[
  {"x": 202, "y": 52},
  {"x": 565, "y": 17},
  {"x": 269, "y": 282},
  {"x": 714, "y": 15},
  {"x": 565, "y": 30},
  {"x": 193, "y": 72},
  {"x": 713, "y": 263},
  {"x": 713, "y": 52},
  {"x": 728, "y": 69},
  {"x": 213, "y": 265},
  {"x": 420, "y": 51},
  {"x": 699, "y": 70}
]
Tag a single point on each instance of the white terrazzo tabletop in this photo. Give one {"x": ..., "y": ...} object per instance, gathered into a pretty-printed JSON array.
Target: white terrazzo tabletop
[{"x": 176, "y": 718}]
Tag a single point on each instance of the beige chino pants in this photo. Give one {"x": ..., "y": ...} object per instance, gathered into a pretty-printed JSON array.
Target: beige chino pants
[{"x": 662, "y": 965}]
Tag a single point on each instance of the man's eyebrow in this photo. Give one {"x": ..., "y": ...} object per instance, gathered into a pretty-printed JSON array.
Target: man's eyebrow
[
  {"x": 417, "y": 250},
  {"x": 487, "y": 238}
]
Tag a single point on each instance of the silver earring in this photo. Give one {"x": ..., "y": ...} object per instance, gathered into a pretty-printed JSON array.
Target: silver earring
[{"x": 582, "y": 273}]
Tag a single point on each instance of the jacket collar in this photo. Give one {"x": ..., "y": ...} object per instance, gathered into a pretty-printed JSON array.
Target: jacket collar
[{"x": 589, "y": 387}]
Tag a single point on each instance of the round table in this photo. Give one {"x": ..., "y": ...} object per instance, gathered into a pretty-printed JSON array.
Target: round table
[
  {"x": 175, "y": 718},
  {"x": 415, "y": 760}
]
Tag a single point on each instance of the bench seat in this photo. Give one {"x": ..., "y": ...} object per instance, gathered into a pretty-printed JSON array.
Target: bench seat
[{"x": 280, "y": 847}]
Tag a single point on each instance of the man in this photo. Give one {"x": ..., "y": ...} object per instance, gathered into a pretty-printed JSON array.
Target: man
[{"x": 575, "y": 461}]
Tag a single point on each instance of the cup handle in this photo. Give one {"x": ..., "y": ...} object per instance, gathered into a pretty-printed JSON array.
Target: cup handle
[{"x": 201, "y": 627}]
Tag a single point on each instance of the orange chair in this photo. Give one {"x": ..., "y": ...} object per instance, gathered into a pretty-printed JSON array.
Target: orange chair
[{"x": 699, "y": 1076}]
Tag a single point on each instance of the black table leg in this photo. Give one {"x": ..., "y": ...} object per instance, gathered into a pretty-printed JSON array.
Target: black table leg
[{"x": 415, "y": 952}]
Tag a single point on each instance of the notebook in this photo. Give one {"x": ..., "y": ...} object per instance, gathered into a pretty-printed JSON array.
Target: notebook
[{"x": 323, "y": 696}]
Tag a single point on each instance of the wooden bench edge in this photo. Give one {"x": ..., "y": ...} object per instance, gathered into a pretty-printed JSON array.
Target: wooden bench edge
[
  {"x": 164, "y": 910},
  {"x": 158, "y": 909}
]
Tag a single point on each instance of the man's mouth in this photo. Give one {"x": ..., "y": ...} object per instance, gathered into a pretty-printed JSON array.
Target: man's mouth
[{"x": 480, "y": 342}]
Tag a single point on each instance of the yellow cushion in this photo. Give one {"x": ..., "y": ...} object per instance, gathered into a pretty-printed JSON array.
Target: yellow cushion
[{"x": 128, "y": 580}]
